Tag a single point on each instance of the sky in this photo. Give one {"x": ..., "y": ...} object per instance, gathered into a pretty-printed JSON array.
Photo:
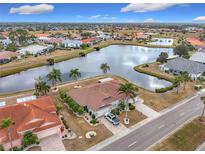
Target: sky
[{"x": 102, "y": 12}]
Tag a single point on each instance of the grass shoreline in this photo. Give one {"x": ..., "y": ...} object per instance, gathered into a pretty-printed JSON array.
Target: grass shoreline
[{"x": 23, "y": 67}]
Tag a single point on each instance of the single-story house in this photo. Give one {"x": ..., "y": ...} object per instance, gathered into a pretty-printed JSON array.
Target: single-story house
[
  {"x": 5, "y": 42},
  {"x": 99, "y": 98},
  {"x": 198, "y": 57},
  {"x": 195, "y": 42},
  {"x": 38, "y": 116},
  {"x": 89, "y": 41},
  {"x": 6, "y": 56},
  {"x": 35, "y": 49},
  {"x": 180, "y": 64},
  {"x": 72, "y": 43}
]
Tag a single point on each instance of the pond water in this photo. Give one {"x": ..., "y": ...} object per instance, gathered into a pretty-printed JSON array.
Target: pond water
[
  {"x": 120, "y": 58},
  {"x": 162, "y": 41}
]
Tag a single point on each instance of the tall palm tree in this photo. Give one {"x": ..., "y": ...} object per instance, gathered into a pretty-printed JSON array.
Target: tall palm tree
[
  {"x": 75, "y": 73},
  {"x": 185, "y": 78},
  {"x": 203, "y": 99},
  {"x": 129, "y": 91},
  {"x": 41, "y": 87},
  {"x": 104, "y": 67},
  {"x": 5, "y": 124},
  {"x": 177, "y": 81},
  {"x": 54, "y": 76}
]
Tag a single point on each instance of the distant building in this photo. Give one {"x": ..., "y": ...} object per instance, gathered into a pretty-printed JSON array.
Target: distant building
[
  {"x": 6, "y": 56},
  {"x": 72, "y": 43},
  {"x": 35, "y": 49},
  {"x": 179, "y": 65},
  {"x": 38, "y": 116}
]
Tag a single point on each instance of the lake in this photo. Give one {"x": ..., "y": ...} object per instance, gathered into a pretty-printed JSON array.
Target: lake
[{"x": 120, "y": 58}]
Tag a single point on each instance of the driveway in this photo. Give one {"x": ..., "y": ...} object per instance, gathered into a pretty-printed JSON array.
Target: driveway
[
  {"x": 52, "y": 143},
  {"x": 114, "y": 129}
]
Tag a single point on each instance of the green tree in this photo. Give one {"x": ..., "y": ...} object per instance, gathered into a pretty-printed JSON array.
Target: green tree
[
  {"x": 203, "y": 99},
  {"x": 50, "y": 61},
  {"x": 105, "y": 68},
  {"x": 54, "y": 76},
  {"x": 177, "y": 80},
  {"x": 74, "y": 73},
  {"x": 162, "y": 57},
  {"x": 185, "y": 78},
  {"x": 41, "y": 88},
  {"x": 129, "y": 91},
  {"x": 6, "y": 124},
  {"x": 181, "y": 50},
  {"x": 29, "y": 138},
  {"x": 11, "y": 47}
]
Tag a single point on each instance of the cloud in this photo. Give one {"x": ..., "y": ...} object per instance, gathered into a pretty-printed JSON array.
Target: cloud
[
  {"x": 200, "y": 18},
  {"x": 145, "y": 7},
  {"x": 150, "y": 20},
  {"x": 35, "y": 9},
  {"x": 109, "y": 18},
  {"x": 95, "y": 16}
]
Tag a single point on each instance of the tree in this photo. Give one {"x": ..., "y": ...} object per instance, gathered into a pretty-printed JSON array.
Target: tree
[
  {"x": 54, "y": 76},
  {"x": 74, "y": 73},
  {"x": 105, "y": 67},
  {"x": 181, "y": 50},
  {"x": 177, "y": 81},
  {"x": 5, "y": 124},
  {"x": 162, "y": 57},
  {"x": 29, "y": 138},
  {"x": 185, "y": 78},
  {"x": 41, "y": 88},
  {"x": 203, "y": 99},
  {"x": 11, "y": 47},
  {"x": 129, "y": 91}
]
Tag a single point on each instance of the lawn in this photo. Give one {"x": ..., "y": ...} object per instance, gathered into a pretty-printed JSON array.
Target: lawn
[
  {"x": 187, "y": 138},
  {"x": 134, "y": 117}
]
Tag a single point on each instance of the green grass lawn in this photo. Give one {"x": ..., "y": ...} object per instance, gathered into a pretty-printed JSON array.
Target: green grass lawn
[{"x": 187, "y": 138}]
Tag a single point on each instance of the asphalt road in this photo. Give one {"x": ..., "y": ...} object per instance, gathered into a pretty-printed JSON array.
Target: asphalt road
[{"x": 145, "y": 136}]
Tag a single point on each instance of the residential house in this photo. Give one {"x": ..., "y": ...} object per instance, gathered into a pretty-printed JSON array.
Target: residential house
[
  {"x": 35, "y": 49},
  {"x": 99, "y": 98},
  {"x": 6, "y": 56},
  {"x": 5, "y": 42},
  {"x": 198, "y": 57},
  {"x": 180, "y": 64},
  {"x": 195, "y": 42},
  {"x": 89, "y": 41},
  {"x": 38, "y": 116},
  {"x": 72, "y": 43}
]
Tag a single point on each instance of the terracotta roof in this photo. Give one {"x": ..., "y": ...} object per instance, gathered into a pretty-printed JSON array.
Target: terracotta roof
[
  {"x": 8, "y": 54},
  {"x": 98, "y": 95},
  {"x": 85, "y": 41},
  {"x": 35, "y": 115},
  {"x": 194, "y": 41},
  {"x": 41, "y": 35}
]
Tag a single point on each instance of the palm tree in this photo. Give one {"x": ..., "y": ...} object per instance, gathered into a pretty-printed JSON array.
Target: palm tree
[
  {"x": 54, "y": 76},
  {"x": 104, "y": 67},
  {"x": 41, "y": 88},
  {"x": 185, "y": 78},
  {"x": 203, "y": 99},
  {"x": 74, "y": 73},
  {"x": 5, "y": 124},
  {"x": 129, "y": 91},
  {"x": 177, "y": 81}
]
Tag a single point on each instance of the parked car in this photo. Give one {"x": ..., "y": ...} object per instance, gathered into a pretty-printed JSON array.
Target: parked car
[{"x": 112, "y": 118}]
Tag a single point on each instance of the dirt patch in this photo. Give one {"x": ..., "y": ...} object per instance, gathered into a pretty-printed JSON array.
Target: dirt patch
[{"x": 35, "y": 148}]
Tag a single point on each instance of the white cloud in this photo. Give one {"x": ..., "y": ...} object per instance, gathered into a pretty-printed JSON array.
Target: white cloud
[
  {"x": 145, "y": 7},
  {"x": 108, "y": 18},
  {"x": 35, "y": 9},
  {"x": 95, "y": 16},
  {"x": 150, "y": 20},
  {"x": 200, "y": 18}
]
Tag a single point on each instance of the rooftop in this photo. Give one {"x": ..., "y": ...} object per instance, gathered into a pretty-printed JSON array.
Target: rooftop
[
  {"x": 198, "y": 57},
  {"x": 8, "y": 54}
]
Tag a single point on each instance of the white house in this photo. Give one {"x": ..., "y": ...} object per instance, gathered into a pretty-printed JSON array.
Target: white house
[
  {"x": 5, "y": 42},
  {"x": 72, "y": 43},
  {"x": 198, "y": 57}
]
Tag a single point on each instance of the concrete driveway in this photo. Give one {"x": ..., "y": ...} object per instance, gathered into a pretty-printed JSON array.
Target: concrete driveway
[
  {"x": 52, "y": 143},
  {"x": 114, "y": 129}
]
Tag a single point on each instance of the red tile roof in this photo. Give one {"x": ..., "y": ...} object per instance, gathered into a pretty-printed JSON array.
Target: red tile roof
[
  {"x": 35, "y": 115},
  {"x": 194, "y": 41},
  {"x": 88, "y": 40},
  {"x": 98, "y": 95},
  {"x": 8, "y": 54},
  {"x": 41, "y": 35}
]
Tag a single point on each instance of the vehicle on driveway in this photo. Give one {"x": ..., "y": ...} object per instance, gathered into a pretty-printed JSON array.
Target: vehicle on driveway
[{"x": 112, "y": 118}]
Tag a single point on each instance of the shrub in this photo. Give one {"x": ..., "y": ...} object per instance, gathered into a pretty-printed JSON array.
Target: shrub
[
  {"x": 162, "y": 90},
  {"x": 29, "y": 138},
  {"x": 93, "y": 121},
  {"x": 97, "y": 48},
  {"x": 145, "y": 65},
  {"x": 80, "y": 110},
  {"x": 82, "y": 54},
  {"x": 131, "y": 106},
  {"x": 50, "y": 61},
  {"x": 115, "y": 111},
  {"x": 93, "y": 116},
  {"x": 1, "y": 148},
  {"x": 121, "y": 106}
]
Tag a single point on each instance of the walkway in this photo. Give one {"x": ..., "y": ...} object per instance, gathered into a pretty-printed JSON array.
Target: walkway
[{"x": 52, "y": 143}]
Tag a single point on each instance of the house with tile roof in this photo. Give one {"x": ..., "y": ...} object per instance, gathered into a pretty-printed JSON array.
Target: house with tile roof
[
  {"x": 6, "y": 56},
  {"x": 180, "y": 64},
  {"x": 99, "y": 98},
  {"x": 38, "y": 116}
]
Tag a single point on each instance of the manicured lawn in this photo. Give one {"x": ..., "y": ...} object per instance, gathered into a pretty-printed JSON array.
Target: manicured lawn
[
  {"x": 134, "y": 117},
  {"x": 187, "y": 138}
]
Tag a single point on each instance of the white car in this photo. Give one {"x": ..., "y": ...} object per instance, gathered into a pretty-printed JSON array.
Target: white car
[{"x": 112, "y": 118}]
